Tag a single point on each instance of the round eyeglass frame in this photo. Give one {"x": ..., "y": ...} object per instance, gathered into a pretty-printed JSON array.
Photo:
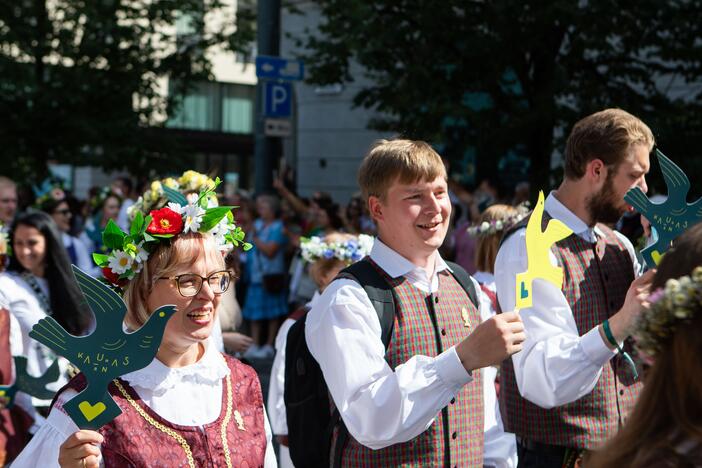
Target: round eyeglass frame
[{"x": 202, "y": 281}]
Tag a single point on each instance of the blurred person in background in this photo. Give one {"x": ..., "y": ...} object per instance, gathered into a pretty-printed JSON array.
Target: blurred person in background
[
  {"x": 124, "y": 187},
  {"x": 39, "y": 283},
  {"x": 14, "y": 422},
  {"x": 346, "y": 250},
  {"x": 8, "y": 202},
  {"x": 266, "y": 298},
  {"x": 105, "y": 205},
  {"x": 55, "y": 204}
]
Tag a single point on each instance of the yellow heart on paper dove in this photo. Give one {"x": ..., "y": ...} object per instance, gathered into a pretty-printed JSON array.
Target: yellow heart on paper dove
[
  {"x": 91, "y": 411},
  {"x": 538, "y": 246},
  {"x": 657, "y": 256}
]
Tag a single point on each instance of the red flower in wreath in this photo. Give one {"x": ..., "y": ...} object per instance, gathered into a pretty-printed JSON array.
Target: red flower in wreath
[
  {"x": 113, "y": 277},
  {"x": 165, "y": 221}
]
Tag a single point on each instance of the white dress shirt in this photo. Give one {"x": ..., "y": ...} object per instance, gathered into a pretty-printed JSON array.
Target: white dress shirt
[
  {"x": 187, "y": 396},
  {"x": 556, "y": 365},
  {"x": 380, "y": 406},
  {"x": 26, "y": 310},
  {"x": 497, "y": 441}
]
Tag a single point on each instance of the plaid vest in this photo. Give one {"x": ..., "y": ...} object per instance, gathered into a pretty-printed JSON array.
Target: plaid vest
[
  {"x": 596, "y": 279},
  {"x": 427, "y": 324}
]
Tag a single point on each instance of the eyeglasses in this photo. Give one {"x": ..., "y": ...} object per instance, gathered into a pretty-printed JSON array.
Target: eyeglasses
[
  {"x": 190, "y": 284},
  {"x": 65, "y": 212}
]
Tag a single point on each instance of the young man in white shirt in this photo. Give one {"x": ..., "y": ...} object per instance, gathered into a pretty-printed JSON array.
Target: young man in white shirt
[
  {"x": 418, "y": 403},
  {"x": 568, "y": 389}
]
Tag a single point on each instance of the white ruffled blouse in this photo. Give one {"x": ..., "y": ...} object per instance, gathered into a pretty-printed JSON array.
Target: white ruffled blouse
[{"x": 187, "y": 396}]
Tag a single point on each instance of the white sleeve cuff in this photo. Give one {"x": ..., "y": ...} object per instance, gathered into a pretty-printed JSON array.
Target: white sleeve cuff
[
  {"x": 595, "y": 348},
  {"x": 450, "y": 370}
]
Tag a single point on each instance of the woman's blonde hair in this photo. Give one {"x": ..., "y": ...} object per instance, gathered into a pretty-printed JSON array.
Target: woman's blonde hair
[
  {"x": 321, "y": 267},
  {"x": 166, "y": 260},
  {"x": 487, "y": 245}
]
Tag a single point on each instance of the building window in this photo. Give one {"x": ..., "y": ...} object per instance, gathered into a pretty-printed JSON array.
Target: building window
[{"x": 217, "y": 107}]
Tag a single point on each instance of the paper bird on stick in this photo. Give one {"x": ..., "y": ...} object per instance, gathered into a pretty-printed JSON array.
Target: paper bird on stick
[
  {"x": 34, "y": 386},
  {"x": 105, "y": 354},
  {"x": 538, "y": 246},
  {"x": 670, "y": 218}
]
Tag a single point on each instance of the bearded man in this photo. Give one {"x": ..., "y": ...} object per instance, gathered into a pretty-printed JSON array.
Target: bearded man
[{"x": 568, "y": 390}]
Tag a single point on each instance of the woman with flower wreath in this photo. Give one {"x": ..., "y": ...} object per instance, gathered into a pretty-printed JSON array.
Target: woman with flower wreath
[
  {"x": 327, "y": 256},
  {"x": 493, "y": 222},
  {"x": 192, "y": 405},
  {"x": 39, "y": 283},
  {"x": 665, "y": 428}
]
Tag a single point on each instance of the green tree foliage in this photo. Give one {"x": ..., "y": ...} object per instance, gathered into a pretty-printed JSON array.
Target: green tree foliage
[
  {"x": 506, "y": 75},
  {"x": 80, "y": 80}
]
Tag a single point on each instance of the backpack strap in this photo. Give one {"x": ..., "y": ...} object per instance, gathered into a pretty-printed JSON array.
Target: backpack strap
[
  {"x": 379, "y": 292},
  {"x": 465, "y": 281}
]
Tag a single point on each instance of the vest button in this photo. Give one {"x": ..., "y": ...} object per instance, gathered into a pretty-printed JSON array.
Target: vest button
[
  {"x": 621, "y": 392},
  {"x": 454, "y": 435},
  {"x": 453, "y": 400},
  {"x": 443, "y": 332},
  {"x": 436, "y": 299},
  {"x": 606, "y": 277}
]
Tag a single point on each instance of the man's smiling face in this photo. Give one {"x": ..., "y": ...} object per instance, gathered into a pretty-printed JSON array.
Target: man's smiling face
[{"x": 413, "y": 218}]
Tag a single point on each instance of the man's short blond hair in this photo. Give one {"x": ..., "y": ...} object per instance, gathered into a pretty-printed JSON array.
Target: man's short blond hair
[
  {"x": 606, "y": 135},
  {"x": 405, "y": 161}
]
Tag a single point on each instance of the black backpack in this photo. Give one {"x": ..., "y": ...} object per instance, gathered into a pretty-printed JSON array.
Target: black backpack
[{"x": 310, "y": 420}]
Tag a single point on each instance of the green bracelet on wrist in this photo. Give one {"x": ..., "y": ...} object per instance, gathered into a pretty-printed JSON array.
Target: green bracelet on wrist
[{"x": 610, "y": 337}]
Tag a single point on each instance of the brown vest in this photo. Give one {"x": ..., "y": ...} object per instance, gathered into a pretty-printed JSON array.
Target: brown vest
[
  {"x": 133, "y": 441},
  {"x": 428, "y": 324},
  {"x": 596, "y": 279}
]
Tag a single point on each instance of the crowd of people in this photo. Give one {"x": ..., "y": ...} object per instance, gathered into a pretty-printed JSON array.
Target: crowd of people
[{"x": 442, "y": 370}]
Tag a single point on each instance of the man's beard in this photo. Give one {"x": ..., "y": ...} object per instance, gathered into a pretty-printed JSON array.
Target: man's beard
[{"x": 603, "y": 206}]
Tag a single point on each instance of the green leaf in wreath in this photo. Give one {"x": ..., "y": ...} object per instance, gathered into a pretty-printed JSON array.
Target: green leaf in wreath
[
  {"x": 137, "y": 225},
  {"x": 112, "y": 236},
  {"x": 100, "y": 260},
  {"x": 213, "y": 216}
]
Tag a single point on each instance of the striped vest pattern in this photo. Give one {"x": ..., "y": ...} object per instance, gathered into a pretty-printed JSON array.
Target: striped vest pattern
[
  {"x": 427, "y": 324},
  {"x": 596, "y": 279}
]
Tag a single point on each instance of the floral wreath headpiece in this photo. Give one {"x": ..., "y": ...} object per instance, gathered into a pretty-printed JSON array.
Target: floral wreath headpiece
[
  {"x": 52, "y": 189},
  {"x": 183, "y": 213},
  {"x": 671, "y": 307},
  {"x": 487, "y": 228},
  {"x": 348, "y": 251}
]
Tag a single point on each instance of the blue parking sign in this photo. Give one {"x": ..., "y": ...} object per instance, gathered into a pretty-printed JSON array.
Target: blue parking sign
[{"x": 277, "y": 99}]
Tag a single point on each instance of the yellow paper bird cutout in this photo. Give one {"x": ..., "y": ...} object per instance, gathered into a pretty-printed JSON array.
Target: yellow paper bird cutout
[{"x": 538, "y": 245}]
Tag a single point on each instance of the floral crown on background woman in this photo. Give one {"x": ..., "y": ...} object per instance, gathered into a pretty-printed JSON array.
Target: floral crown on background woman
[
  {"x": 671, "y": 307},
  {"x": 348, "y": 251},
  {"x": 487, "y": 228},
  {"x": 185, "y": 212},
  {"x": 51, "y": 190}
]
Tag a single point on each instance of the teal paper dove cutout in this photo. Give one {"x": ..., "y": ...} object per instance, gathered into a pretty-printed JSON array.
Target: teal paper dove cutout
[
  {"x": 670, "y": 218},
  {"x": 105, "y": 354},
  {"x": 34, "y": 386}
]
